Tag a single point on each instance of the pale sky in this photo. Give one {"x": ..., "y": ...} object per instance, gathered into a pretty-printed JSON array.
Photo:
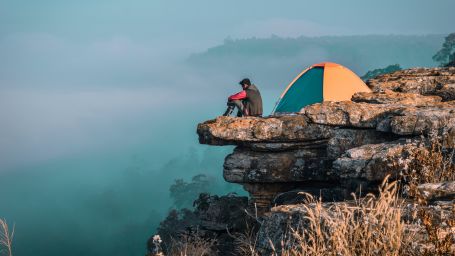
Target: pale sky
[
  {"x": 86, "y": 41},
  {"x": 208, "y": 21},
  {"x": 73, "y": 73}
]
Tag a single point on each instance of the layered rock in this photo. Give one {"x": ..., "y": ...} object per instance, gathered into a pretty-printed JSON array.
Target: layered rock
[
  {"x": 337, "y": 146},
  {"x": 425, "y": 81},
  {"x": 373, "y": 162},
  {"x": 330, "y": 150},
  {"x": 246, "y": 130}
]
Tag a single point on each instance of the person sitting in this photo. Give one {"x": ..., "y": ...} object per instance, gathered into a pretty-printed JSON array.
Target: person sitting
[{"x": 248, "y": 102}]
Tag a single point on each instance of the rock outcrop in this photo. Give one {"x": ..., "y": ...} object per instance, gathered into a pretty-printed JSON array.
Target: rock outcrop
[
  {"x": 425, "y": 81},
  {"x": 332, "y": 149},
  {"x": 338, "y": 145}
]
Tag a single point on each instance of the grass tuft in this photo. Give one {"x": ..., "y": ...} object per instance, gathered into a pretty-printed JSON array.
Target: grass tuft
[{"x": 6, "y": 239}]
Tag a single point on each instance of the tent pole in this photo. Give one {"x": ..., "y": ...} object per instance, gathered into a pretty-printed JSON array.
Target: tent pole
[{"x": 276, "y": 105}]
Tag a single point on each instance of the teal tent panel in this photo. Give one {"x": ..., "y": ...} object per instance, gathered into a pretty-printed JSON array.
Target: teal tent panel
[{"x": 305, "y": 91}]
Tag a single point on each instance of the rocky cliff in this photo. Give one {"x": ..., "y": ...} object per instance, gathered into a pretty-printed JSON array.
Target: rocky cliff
[{"x": 333, "y": 149}]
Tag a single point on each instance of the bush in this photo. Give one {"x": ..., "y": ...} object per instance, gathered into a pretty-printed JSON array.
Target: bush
[
  {"x": 380, "y": 71},
  {"x": 184, "y": 193}
]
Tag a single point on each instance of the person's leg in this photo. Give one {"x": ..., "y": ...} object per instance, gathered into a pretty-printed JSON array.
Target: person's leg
[
  {"x": 240, "y": 108},
  {"x": 230, "y": 108},
  {"x": 232, "y": 105}
]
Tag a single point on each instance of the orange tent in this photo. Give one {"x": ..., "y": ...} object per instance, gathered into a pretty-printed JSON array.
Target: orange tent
[{"x": 325, "y": 81}]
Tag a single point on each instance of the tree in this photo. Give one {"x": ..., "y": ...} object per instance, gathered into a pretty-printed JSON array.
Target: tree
[
  {"x": 380, "y": 71},
  {"x": 446, "y": 55},
  {"x": 184, "y": 193}
]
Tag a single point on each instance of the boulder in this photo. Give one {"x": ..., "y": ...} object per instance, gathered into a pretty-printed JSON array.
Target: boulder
[
  {"x": 396, "y": 118},
  {"x": 244, "y": 166},
  {"x": 221, "y": 213},
  {"x": 423, "y": 120},
  {"x": 232, "y": 130},
  {"x": 373, "y": 162},
  {"x": 345, "y": 138},
  {"x": 390, "y": 97},
  {"x": 438, "y": 191},
  {"x": 350, "y": 114},
  {"x": 347, "y": 145},
  {"x": 425, "y": 81}
]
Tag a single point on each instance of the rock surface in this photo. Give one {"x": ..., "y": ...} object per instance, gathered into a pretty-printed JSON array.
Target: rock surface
[
  {"x": 339, "y": 145},
  {"x": 438, "y": 191},
  {"x": 233, "y": 131},
  {"x": 425, "y": 81},
  {"x": 373, "y": 162},
  {"x": 330, "y": 150},
  {"x": 244, "y": 166}
]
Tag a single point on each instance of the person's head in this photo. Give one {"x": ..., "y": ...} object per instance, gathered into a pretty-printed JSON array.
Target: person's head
[{"x": 245, "y": 83}]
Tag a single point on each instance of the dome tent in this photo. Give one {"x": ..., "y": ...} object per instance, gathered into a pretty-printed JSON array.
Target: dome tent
[{"x": 325, "y": 81}]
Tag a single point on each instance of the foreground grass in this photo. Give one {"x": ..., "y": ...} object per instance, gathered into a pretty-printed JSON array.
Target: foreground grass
[
  {"x": 370, "y": 226},
  {"x": 6, "y": 239}
]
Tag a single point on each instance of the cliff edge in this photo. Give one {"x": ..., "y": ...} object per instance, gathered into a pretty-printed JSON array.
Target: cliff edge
[
  {"x": 375, "y": 174},
  {"x": 404, "y": 130},
  {"x": 332, "y": 149}
]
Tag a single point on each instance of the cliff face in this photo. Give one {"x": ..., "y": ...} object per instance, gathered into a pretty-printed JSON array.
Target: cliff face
[
  {"x": 332, "y": 149},
  {"x": 342, "y": 146}
]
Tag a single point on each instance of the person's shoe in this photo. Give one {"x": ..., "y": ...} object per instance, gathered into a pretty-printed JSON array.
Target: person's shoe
[{"x": 229, "y": 111}]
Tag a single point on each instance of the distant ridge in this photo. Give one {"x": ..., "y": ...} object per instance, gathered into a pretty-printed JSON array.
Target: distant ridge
[{"x": 275, "y": 55}]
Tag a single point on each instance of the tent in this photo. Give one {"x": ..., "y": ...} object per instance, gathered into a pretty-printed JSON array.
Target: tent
[{"x": 325, "y": 81}]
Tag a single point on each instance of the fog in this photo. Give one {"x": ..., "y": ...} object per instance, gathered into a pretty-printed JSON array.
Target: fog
[{"x": 99, "y": 100}]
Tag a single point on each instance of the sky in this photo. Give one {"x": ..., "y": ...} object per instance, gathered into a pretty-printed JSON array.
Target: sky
[
  {"x": 106, "y": 57},
  {"x": 88, "y": 87},
  {"x": 127, "y": 43}
]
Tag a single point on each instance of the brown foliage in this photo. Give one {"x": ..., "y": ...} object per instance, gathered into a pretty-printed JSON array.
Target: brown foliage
[
  {"x": 369, "y": 226},
  {"x": 192, "y": 245},
  {"x": 431, "y": 162}
]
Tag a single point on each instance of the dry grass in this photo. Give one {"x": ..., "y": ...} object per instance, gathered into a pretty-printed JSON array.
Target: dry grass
[
  {"x": 430, "y": 163},
  {"x": 6, "y": 238},
  {"x": 246, "y": 243},
  {"x": 370, "y": 226},
  {"x": 192, "y": 245},
  {"x": 439, "y": 238}
]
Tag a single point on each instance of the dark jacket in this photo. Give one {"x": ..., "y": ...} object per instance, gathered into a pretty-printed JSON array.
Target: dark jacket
[{"x": 253, "y": 101}]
